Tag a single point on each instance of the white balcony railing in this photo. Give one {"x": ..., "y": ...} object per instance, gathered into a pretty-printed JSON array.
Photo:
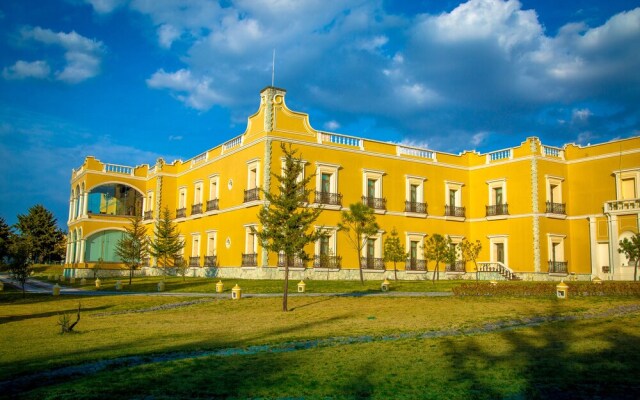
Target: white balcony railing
[
  {"x": 549, "y": 151},
  {"x": 199, "y": 158},
  {"x": 118, "y": 169},
  {"x": 499, "y": 155},
  {"x": 632, "y": 205},
  {"x": 236, "y": 141},
  {"x": 341, "y": 139},
  {"x": 415, "y": 152}
]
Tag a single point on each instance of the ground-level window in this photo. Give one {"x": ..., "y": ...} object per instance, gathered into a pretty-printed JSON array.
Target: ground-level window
[{"x": 102, "y": 246}]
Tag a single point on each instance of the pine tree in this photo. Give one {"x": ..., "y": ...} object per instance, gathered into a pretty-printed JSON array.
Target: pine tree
[
  {"x": 394, "y": 251},
  {"x": 19, "y": 263},
  {"x": 359, "y": 223},
  {"x": 40, "y": 233},
  {"x": 166, "y": 245},
  {"x": 6, "y": 238},
  {"x": 133, "y": 247},
  {"x": 286, "y": 223},
  {"x": 439, "y": 249}
]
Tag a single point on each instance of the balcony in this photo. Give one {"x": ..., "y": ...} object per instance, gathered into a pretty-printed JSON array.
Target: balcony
[
  {"x": 458, "y": 266},
  {"x": 194, "y": 261},
  {"x": 295, "y": 262},
  {"x": 377, "y": 203},
  {"x": 181, "y": 212},
  {"x": 555, "y": 208},
  {"x": 415, "y": 207},
  {"x": 251, "y": 195},
  {"x": 330, "y": 262},
  {"x": 210, "y": 261},
  {"x": 147, "y": 215},
  {"x": 558, "y": 267},
  {"x": 412, "y": 264},
  {"x": 632, "y": 205},
  {"x": 497, "y": 209},
  {"x": 212, "y": 205},
  {"x": 196, "y": 209},
  {"x": 250, "y": 260},
  {"x": 372, "y": 263},
  {"x": 453, "y": 211},
  {"x": 333, "y": 199}
]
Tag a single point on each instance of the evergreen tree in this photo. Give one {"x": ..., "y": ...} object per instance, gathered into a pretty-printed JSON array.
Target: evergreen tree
[
  {"x": 631, "y": 249},
  {"x": 439, "y": 249},
  {"x": 6, "y": 238},
  {"x": 286, "y": 223},
  {"x": 166, "y": 245},
  {"x": 19, "y": 262},
  {"x": 394, "y": 251},
  {"x": 39, "y": 230},
  {"x": 359, "y": 224},
  {"x": 470, "y": 252},
  {"x": 133, "y": 247}
]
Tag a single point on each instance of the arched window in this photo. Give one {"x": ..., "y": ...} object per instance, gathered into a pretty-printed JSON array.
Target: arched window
[
  {"x": 102, "y": 245},
  {"x": 115, "y": 199}
]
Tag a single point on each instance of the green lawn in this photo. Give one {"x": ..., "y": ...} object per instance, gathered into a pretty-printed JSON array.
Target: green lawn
[
  {"x": 593, "y": 356},
  {"x": 208, "y": 285}
]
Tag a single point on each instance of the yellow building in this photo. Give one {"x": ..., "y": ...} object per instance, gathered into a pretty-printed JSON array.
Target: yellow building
[{"x": 540, "y": 212}]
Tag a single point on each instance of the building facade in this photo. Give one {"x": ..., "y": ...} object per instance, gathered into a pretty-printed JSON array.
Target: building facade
[{"x": 540, "y": 212}]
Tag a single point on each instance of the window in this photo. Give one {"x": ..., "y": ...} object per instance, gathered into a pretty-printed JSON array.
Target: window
[
  {"x": 327, "y": 185},
  {"x": 497, "y": 198},
  {"x": 499, "y": 249},
  {"x": 250, "y": 255},
  {"x": 628, "y": 188},
  {"x": 194, "y": 259},
  {"x": 148, "y": 207},
  {"x": 324, "y": 245},
  {"x": 252, "y": 193},
  {"x": 627, "y": 184},
  {"x": 210, "y": 257},
  {"x": 554, "y": 204},
  {"x": 372, "y": 189},
  {"x": 196, "y": 206},
  {"x": 458, "y": 264},
  {"x": 453, "y": 200},
  {"x": 181, "y": 211},
  {"x": 371, "y": 256},
  {"x": 415, "y": 260},
  {"x": 325, "y": 250},
  {"x": 414, "y": 200},
  {"x": 557, "y": 262}
]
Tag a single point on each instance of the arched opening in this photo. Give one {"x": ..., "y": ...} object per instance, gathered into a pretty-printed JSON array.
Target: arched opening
[
  {"x": 115, "y": 199},
  {"x": 102, "y": 245}
]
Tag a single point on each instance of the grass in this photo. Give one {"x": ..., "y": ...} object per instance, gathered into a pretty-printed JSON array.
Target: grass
[
  {"x": 589, "y": 358},
  {"x": 208, "y": 285}
]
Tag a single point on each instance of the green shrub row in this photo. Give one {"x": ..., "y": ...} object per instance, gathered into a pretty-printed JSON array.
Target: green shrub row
[{"x": 547, "y": 289}]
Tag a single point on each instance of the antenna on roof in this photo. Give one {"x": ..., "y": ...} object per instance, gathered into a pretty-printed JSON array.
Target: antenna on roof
[{"x": 273, "y": 68}]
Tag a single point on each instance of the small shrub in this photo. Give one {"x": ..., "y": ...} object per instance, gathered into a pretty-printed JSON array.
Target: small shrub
[{"x": 64, "y": 321}]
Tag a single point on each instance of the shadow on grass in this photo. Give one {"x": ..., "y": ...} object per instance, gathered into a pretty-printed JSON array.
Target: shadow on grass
[
  {"x": 15, "y": 318},
  {"x": 557, "y": 360}
]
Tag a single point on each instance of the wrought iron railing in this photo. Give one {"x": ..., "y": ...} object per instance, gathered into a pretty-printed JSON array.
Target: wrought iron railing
[
  {"x": 413, "y": 264},
  {"x": 210, "y": 261},
  {"x": 250, "y": 260},
  {"x": 498, "y": 209},
  {"x": 457, "y": 266},
  {"x": 196, "y": 209},
  {"x": 334, "y": 199},
  {"x": 251, "y": 195},
  {"x": 372, "y": 263},
  {"x": 557, "y": 267},
  {"x": 453, "y": 211},
  {"x": 148, "y": 215},
  {"x": 194, "y": 261},
  {"x": 324, "y": 261},
  {"x": 555, "y": 208},
  {"x": 212, "y": 205},
  {"x": 295, "y": 261},
  {"x": 378, "y": 203},
  {"x": 415, "y": 207},
  {"x": 181, "y": 212}
]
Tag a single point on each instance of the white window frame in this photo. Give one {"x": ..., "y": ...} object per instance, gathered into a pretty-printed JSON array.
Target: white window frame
[
  {"x": 378, "y": 245},
  {"x": 214, "y": 182},
  {"x": 253, "y": 165},
  {"x": 415, "y": 237},
  {"x": 327, "y": 169},
  {"x": 247, "y": 234},
  {"x": 149, "y": 201},
  {"x": 368, "y": 174},
  {"x": 623, "y": 175},
  {"x": 457, "y": 186},
  {"x": 182, "y": 197},
  {"x": 195, "y": 244},
  {"x": 332, "y": 232},
  {"x": 495, "y": 184},
  {"x": 197, "y": 192},
  {"x": 418, "y": 181},
  {"x": 212, "y": 250},
  {"x": 554, "y": 181},
  {"x": 495, "y": 239},
  {"x": 553, "y": 238}
]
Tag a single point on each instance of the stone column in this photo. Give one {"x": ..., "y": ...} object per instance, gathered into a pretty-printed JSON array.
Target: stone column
[
  {"x": 85, "y": 203},
  {"x": 593, "y": 246}
]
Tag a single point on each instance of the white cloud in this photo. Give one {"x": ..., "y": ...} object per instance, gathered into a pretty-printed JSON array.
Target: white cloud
[
  {"x": 196, "y": 92},
  {"x": 167, "y": 34},
  {"x": 82, "y": 55},
  {"x": 331, "y": 125},
  {"x": 581, "y": 115},
  {"x": 478, "y": 138},
  {"x": 175, "y": 138},
  {"x": 24, "y": 69},
  {"x": 105, "y": 6}
]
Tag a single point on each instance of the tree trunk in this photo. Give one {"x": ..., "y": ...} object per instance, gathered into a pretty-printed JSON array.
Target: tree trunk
[
  {"x": 130, "y": 275},
  {"x": 435, "y": 271},
  {"x": 285, "y": 293},
  {"x": 635, "y": 270},
  {"x": 395, "y": 271},
  {"x": 477, "y": 272}
]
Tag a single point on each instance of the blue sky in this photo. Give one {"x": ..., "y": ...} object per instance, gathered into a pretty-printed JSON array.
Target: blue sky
[{"x": 129, "y": 81}]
